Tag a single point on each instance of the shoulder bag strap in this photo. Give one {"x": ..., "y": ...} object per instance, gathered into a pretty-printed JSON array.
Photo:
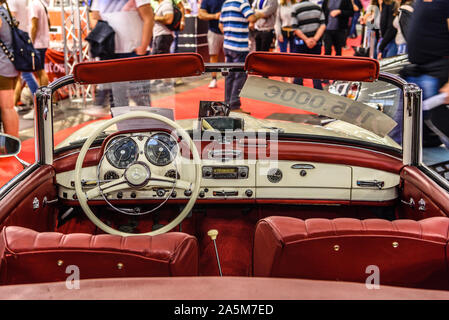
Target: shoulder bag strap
[
  {"x": 11, "y": 20},
  {"x": 7, "y": 52},
  {"x": 46, "y": 13}
]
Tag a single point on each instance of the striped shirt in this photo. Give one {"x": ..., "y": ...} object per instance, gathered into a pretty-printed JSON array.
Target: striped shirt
[
  {"x": 234, "y": 17},
  {"x": 307, "y": 17}
]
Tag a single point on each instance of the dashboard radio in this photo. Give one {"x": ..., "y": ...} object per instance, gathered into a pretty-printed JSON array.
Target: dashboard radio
[{"x": 225, "y": 172}]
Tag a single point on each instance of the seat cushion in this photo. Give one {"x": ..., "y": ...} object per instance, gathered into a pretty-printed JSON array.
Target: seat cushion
[
  {"x": 406, "y": 252},
  {"x": 28, "y": 256}
]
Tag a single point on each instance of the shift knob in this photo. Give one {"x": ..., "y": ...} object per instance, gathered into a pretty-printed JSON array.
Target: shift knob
[{"x": 213, "y": 233}]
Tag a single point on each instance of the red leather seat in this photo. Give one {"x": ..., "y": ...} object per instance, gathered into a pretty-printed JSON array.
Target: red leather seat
[
  {"x": 28, "y": 256},
  {"x": 407, "y": 253}
]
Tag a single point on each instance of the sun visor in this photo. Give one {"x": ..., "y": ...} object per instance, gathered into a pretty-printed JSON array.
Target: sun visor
[
  {"x": 140, "y": 68},
  {"x": 312, "y": 66}
]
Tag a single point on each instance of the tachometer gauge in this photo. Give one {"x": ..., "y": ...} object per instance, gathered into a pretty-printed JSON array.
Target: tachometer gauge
[
  {"x": 161, "y": 149},
  {"x": 122, "y": 152}
]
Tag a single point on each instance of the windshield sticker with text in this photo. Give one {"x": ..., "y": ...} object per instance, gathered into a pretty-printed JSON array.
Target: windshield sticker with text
[{"x": 319, "y": 102}]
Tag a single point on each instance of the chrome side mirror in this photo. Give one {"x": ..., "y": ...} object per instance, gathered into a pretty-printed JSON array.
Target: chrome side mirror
[{"x": 9, "y": 145}]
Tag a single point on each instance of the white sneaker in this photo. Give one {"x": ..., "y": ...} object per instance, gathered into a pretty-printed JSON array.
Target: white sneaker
[
  {"x": 213, "y": 84},
  {"x": 29, "y": 115}
]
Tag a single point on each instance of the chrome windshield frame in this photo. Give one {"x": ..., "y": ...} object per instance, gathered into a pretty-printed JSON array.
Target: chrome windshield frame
[{"x": 412, "y": 103}]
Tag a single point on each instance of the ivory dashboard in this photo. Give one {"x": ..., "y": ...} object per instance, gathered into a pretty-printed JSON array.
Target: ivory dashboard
[{"x": 238, "y": 178}]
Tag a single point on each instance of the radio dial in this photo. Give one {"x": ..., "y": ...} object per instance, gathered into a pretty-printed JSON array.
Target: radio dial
[{"x": 249, "y": 193}]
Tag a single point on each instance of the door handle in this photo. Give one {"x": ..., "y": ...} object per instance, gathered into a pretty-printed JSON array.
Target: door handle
[{"x": 371, "y": 183}]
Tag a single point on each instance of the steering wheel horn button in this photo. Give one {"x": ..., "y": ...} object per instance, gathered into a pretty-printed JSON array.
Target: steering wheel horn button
[{"x": 137, "y": 174}]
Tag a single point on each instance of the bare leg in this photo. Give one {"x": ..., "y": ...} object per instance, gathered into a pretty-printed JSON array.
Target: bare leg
[
  {"x": 43, "y": 78},
  {"x": 17, "y": 91},
  {"x": 10, "y": 118},
  {"x": 214, "y": 59}
]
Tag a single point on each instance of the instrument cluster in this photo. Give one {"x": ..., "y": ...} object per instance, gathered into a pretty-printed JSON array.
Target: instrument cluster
[{"x": 160, "y": 149}]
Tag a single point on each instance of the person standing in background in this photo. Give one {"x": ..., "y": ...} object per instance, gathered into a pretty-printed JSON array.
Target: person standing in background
[
  {"x": 234, "y": 20},
  {"x": 132, "y": 21},
  {"x": 284, "y": 19},
  {"x": 8, "y": 77},
  {"x": 162, "y": 36},
  {"x": 264, "y": 27},
  {"x": 19, "y": 9},
  {"x": 401, "y": 42},
  {"x": 428, "y": 52},
  {"x": 371, "y": 19},
  {"x": 39, "y": 26},
  {"x": 210, "y": 10},
  {"x": 337, "y": 14},
  {"x": 357, "y": 5},
  {"x": 387, "y": 46},
  {"x": 310, "y": 24}
]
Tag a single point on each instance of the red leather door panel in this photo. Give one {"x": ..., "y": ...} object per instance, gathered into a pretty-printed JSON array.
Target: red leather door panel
[
  {"x": 417, "y": 186},
  {"x": 16, "y": 208}
]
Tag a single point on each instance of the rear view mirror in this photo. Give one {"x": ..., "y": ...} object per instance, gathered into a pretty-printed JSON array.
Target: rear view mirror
[{"x": 9, "y": 145}]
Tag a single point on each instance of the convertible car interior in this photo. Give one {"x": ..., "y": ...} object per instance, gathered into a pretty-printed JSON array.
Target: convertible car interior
[{"x": 147, "y": 194}]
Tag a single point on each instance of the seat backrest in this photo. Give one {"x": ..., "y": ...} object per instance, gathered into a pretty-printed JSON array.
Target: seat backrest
[
  {"x": 28, "y": 256},
  {"x": 404, "y": 252}
]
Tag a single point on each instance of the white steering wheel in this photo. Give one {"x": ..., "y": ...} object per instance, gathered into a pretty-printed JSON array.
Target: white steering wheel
[{"x": 145, "y": 179}]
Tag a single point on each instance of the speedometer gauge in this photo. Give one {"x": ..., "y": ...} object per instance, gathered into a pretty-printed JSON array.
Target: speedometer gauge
[
  {"x": 161, "y": 149},
  {"x": 122, "y": 152}
]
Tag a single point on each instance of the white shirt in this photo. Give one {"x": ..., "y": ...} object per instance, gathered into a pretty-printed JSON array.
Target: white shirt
[
  {"x": 20, "y": 10},
  {"x": 123, "y": 17},
  {"x": 165, "y": 7},
  {"x": 399, "y": 36},
  {"x": 36, "y": 9}
]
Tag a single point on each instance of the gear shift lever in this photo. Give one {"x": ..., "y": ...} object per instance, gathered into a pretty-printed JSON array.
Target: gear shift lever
[{"x": 213, "y": 233}]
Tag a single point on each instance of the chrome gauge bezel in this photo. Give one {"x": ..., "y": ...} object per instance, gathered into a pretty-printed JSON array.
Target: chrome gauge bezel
[
  {"x": 172, "y": 153},
  {"x": 110, "y": 147}
]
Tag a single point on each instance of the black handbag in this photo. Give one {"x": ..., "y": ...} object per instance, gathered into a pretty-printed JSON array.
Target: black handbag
[
  {"x": 24, "y": 56},
  {"x": 102, "y": 40},
  {"x": 177, "y": 16}
]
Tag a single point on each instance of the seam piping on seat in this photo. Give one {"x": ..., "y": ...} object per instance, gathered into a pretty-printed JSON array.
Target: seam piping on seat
[
  {"x": 395, "y": 227},
  {"x": 121, "y": 242},
  {"x": 90, "y": 241},
  {"x": 334, "y": 228},
  {"x": 420, "y": 231},
  {"x": 61, "y": 239},
  {"x": 36, "y": 235},
  {"x": 305, "y": 226}
]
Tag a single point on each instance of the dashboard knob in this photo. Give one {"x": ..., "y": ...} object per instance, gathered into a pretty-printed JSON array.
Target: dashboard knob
[
  {"x": 160, "y": 192},
  {"x": 133, "y": 195},
  {"x": 174, "y": 194},
  {"x": 188, "y": 193},
  {"x": 243, "y": 174},
  {"x": 119, "y": 194},
  {"x": 249, "y": 193},
  {"x": 202, "y": 194},
  {"x": 303, "y": 173}
]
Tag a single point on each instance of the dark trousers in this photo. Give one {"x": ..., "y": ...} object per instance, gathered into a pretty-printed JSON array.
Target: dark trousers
[
  {"x": 161, "y": 44},
  {"x": 234, "y": 80},
  {"x": 334, "y": 38},
  {"x": 303, "y": 48},
  {"x": 355, "y": 20},
  {"x": 289, "y": 39},
  {"x": 264, "y": 39}
]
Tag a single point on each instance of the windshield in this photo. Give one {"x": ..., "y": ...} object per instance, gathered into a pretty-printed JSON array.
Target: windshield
[{"x": 356, "y": 112}]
